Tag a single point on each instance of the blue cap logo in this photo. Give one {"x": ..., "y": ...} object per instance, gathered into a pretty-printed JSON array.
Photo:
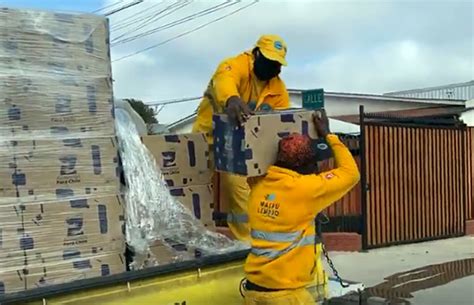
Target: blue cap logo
[{"x": 278, "y": 45}]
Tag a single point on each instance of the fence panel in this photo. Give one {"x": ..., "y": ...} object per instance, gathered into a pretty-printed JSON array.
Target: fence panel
[
  {"x": 416, "y": 186},
  {"x": 469, "y": 170}
]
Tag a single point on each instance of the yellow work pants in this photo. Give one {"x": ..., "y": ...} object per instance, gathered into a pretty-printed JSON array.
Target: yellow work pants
[
  {"x": 320, "y": 276},
  {"x": 315, "y": 293},
  {"x": 284, "y": 297},
  {"x": 235, "y": 193}
]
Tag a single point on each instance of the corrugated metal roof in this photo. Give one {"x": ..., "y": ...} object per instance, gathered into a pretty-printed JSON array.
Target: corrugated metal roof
[{"x": 459, "y": 91}]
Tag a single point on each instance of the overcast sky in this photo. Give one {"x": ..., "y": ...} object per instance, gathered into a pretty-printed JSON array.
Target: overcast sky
[{"x": 350, "y": 46}]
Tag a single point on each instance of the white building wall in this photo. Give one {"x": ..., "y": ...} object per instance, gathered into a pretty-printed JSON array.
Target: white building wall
[
  {"x": 468, "y": 116},
  {"x": 336, "y": 106}
]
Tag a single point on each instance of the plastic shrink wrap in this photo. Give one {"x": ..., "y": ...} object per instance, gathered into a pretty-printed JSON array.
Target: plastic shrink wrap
[
  {"x": 160, "y": 229},
  {"x": 61, "y": 214}
]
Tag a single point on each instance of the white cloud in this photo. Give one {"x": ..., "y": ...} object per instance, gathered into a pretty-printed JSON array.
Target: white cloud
[{"x": 352, "y": 46}]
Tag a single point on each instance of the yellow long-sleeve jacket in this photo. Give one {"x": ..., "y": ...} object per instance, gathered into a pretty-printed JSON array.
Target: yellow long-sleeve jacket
[
  {"x": 282, "y": 209},
  {"x": 235, "y": 77}
]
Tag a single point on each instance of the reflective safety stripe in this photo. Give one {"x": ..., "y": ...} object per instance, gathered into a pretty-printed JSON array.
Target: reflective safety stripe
[
  {"x": 237, "y": 218},
  {"x": 273, "y": 254},
  {"x": 276, "y": 237}
]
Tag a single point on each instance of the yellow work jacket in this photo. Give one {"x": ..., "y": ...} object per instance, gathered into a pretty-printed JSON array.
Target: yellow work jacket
[
  {"x": 235, "y": 77},
  {"x": 282, "y": 209}
]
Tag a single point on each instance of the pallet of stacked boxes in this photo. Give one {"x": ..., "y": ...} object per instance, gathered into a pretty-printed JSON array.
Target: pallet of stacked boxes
[{"x": 61, "y": 213}]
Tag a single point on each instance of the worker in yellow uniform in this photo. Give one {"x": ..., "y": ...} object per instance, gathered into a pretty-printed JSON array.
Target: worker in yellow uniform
[
  {"x": 282, "y": 209},
  {"x": 240, "y": 86}
]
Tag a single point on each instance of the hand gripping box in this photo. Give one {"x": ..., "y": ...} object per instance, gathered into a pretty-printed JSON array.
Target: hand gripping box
[
  {"x": 183, "y": 159},
  {"x": 250, "y": 150}
]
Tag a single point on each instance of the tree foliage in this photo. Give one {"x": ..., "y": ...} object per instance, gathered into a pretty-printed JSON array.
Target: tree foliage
[{"x": 146, "y": 112}]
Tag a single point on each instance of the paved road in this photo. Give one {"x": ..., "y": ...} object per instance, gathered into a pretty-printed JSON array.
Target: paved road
[{"x": 440, "y": 272}]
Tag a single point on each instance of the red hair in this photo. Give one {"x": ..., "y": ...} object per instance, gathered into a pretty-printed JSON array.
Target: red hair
[{"x": 295, "y": 150}]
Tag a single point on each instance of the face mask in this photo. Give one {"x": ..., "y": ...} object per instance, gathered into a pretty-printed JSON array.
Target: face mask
[{"x": 265, "y": 69}]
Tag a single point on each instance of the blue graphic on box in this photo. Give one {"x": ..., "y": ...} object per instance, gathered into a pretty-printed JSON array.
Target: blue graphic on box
[{"x": 229, "y": 153}]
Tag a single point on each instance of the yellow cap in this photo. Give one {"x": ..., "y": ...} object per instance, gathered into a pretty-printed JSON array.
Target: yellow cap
[{"x": 273, "y": 47}]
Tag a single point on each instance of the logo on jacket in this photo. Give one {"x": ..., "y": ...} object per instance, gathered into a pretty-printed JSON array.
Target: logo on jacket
[
  {"x": 270, "y": 197},
  {"x": 330, "y": 176},
  {"x": 268, "y": 207}
]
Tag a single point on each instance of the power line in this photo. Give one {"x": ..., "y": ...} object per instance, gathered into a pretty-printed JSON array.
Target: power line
[
  {"x": 149, "y": 32},
  {"x": 123, "y": 8},
  {"x": 175, "y": 23},
  {"x": 174, "y": 101},
  {"x": 151, "y": 14},
  {"x": 153, "y": 18},
  {"x": 187, "y": 32},
  {"x": 107, "y": 6},
  {"x": 130, "y": 19}
]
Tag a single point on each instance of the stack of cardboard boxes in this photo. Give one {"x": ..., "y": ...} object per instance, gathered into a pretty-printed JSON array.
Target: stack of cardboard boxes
[
  {"x": 61, "y": 214},
  {"x": 184, "y": 162}
]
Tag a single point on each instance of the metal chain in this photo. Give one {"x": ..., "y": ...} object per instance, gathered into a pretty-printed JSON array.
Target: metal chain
[{"x": 331, "y": 265}]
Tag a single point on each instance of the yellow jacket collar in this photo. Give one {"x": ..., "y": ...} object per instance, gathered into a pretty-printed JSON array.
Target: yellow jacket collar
[{"x": 277, "y": 172}]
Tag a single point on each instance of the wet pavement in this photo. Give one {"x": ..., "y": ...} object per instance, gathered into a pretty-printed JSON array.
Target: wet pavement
[
  {"x": 445, "y": 283},
  {"x": 440, "y": 272}
]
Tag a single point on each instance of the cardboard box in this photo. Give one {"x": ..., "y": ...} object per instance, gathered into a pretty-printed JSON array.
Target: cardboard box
[
  {"x": 48, "y": 170},
  {"x": 53, "y": 226},
  {"x": 183, "y": 159},
  {"x": 250, "y": 150},
  {"x": 52, "y": 255},
  {"x": 70, "y": 269},
  {"x": 199, "y": 199},
  {"x": 74, "y": 269},
  {"x": 42, "y": 34},
  {"x": 53, "y": 67},
  {"x": 12, "y": 281},
  {"x": 161, "y": 254},
  {"x": 51, "y": 107}
]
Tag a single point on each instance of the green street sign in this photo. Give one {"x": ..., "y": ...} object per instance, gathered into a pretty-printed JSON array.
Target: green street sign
[{"x": 313, "y": 99}]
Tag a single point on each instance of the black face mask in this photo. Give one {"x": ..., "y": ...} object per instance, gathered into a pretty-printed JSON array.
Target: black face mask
[{"x": 264, "y": 68}]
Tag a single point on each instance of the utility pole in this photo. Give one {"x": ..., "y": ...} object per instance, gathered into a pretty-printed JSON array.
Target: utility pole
[{"x": 123, "y": 7}]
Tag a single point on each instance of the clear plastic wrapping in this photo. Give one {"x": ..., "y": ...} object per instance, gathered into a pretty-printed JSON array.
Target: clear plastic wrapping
[
  {"x": 55, "y": 76},
  {"x": 61, "y": 212},
  {"x": 154, "y": 218}
]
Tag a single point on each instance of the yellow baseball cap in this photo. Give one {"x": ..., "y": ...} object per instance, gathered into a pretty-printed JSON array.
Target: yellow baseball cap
[{"x": 273, "y": 47}]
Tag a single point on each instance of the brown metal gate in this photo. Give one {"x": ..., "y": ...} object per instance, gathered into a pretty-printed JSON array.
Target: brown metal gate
[
  {"x": 415, "y": 181},
  {"x": 470, "y": 173}
]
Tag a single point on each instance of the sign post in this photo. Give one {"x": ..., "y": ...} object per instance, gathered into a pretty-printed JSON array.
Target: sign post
[{"x": 313, "y": 99}]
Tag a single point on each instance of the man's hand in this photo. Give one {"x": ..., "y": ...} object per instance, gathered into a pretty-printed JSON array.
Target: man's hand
[
  {"x": 238, "y": 111},
  {"x": 321, "y": 123}
]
